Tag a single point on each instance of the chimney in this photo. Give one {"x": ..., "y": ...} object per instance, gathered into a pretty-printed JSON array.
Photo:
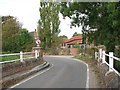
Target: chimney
[{"x": 36, "y": 34}]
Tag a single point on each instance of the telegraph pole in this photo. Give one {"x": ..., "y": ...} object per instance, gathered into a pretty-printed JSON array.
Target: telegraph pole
[{"x": 83, "y": 46}]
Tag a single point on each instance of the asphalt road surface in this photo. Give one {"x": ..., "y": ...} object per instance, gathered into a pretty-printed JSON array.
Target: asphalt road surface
[{"x": 65, "y": 72}]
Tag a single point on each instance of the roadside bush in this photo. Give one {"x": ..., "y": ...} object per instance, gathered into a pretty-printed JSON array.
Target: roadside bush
[
  {"x": 51, "y": 51},
  {"x": 64, "y": 51},
  {"x": 79, "y": 50},
  {"x": 117, "y": 65},
  {"x": 90, "y": 51},
  {"x": 117, "y": 51},
  {"x": 54, "y": 51},
  {"x": 76, "y": 46}
]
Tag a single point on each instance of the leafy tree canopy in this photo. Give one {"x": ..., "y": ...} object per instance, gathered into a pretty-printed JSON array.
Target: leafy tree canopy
[
  {"x": 14, "y": 38},
  {"x": 49, "y": 24},
  {"x": 76, "y": 34},
  {"x": 10, "y": 30},
  {"x": 100, "y": 21}
]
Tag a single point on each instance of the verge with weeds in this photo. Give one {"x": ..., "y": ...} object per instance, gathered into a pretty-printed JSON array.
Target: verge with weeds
[{"x": 89, "y": 59}]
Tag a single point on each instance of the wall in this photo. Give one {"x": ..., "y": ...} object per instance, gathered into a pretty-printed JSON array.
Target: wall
[
  {"x": 54, "y": 51},
  {"x": 12, "y": 68},
  {"x": 110, "y": 78},
  {"x": 74, "y": 51}
]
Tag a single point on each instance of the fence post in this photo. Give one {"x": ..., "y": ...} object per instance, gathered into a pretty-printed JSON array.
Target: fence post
[
  {"x": 103, "y": 56},
  {"x": 110, "y": 60},
  {"x": 100, "y": 51},
  {"x": 36, "y": 54},
  {"x": 21, "y": 56},
  {"x": 95, "y": 55}
]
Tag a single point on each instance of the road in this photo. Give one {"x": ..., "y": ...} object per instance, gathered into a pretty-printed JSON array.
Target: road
[{"x": 65, "y": 72}]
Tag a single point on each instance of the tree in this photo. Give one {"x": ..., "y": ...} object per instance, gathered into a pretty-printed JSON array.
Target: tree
[
  {"x": 99, "y": 20},
  {"x": 14, "y": 38},
  {"x": 10, "y": 30},
  {"x": 61, "y": 39},
  {"x": 48, "y": 23},
  {"x": 76, "y": 34},
  {"x": 24, "y": 41}
]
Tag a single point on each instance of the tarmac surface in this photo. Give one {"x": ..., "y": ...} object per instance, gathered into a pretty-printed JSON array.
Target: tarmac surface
[{"x": 64, "y": 72}]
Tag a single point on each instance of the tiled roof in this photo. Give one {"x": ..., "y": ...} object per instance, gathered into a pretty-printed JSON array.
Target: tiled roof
[
  {"x": 75, "y": 42},
  {"x": 73, "y": 38}
]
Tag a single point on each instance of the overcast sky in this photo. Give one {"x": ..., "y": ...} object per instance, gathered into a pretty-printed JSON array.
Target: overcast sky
[{"x": 27, "y": 13}]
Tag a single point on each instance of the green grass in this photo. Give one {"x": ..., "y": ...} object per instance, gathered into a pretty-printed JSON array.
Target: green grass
[
  {"x": 117, "y": 65},
  {"x": 88, "y": 58},
  {"x": 7, "y": 58},
  {"x": 82, "y": 57}
]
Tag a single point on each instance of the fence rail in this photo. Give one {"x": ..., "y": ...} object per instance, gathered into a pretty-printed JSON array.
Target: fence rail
[
  {"x": 101, "y": 54},
  {"x": 21, "y": 56},
  {"x": 9, "y": 54}
]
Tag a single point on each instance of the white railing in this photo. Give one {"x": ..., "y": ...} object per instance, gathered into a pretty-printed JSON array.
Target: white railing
[
  {"x": 102, "y": 55},
  {"x": 96, "y": 55},
  {"x": 21, "y": 54}
]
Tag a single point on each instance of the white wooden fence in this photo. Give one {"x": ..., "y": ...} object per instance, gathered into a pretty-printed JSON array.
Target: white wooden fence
[
  {"x": 102, "y": 56},
  {"x": 21, "y": 54}
]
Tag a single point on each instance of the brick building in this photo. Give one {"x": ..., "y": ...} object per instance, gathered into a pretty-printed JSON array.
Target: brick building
[
  {"x": 36, "y": 34},
  {"x": 72, "y": 41}
]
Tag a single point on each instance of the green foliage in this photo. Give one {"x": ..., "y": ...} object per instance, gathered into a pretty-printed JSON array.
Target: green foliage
[
  {"x": 90, "y": 51},
  {"x": 117, "y": 51},
  {"x": 99, "y": 20},
  {"x": 55, "y": 51},
  {"x": 24, "y": 41},
  {"x": 8, "y": 58},
  {"x": 10, "y": 30},
  {"x": 117, "y": 65},
  {"x": 60, "y": 40},
  {"x": 76, "y": 46},
  {"x": 49, "y": 24},
  {"x": 81, "y": 57},
  {"x": 63, "y": 38},
  {"x": 51, "y": 51},
  {"x": 14, "y": 38},
  {"x": 80, "y": 50},
  {"x": 76, "y": 34}
]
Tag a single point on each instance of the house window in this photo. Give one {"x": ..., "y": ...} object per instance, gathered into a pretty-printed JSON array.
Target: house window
[{"x": 68, "y": 46}]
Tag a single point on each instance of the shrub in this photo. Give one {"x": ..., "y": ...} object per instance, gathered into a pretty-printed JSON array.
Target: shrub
[
  {"x": 54, "y": 51},
  {"x": 117, "y": 65},
  {"x": 89, "y": 51},
  {"x": 76, "y": 46},
  {"x": 79, "y": 50},
  {"x": 51, "y": 51}
]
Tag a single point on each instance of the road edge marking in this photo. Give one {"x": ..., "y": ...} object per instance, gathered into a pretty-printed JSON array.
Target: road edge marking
[
  {"x": 87, "y": 80},
  {"x": 31, "y": 77}
]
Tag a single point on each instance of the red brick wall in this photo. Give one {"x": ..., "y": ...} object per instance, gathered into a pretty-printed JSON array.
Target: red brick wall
[
  {"x": 74, "y": 51},
  {"x": 12, "y": 68}
]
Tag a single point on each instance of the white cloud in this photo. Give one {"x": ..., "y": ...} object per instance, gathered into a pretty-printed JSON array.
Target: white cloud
[
  {"x": 65, "y": 27},
  {"x": 27, "y": 12}
]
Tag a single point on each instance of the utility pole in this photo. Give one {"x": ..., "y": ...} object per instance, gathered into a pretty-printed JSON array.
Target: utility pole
[{"x": 83, "y": 46}]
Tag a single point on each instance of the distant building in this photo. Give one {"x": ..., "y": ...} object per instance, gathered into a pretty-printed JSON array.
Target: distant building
[
  {"x": 72, "y": 41},
  {"x": 36, "y": 34}
]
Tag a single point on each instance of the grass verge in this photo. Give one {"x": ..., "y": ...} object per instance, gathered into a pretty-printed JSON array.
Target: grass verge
[
  {"x": 92, "y": 66},
  {"x": 8, "y": 58}
]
